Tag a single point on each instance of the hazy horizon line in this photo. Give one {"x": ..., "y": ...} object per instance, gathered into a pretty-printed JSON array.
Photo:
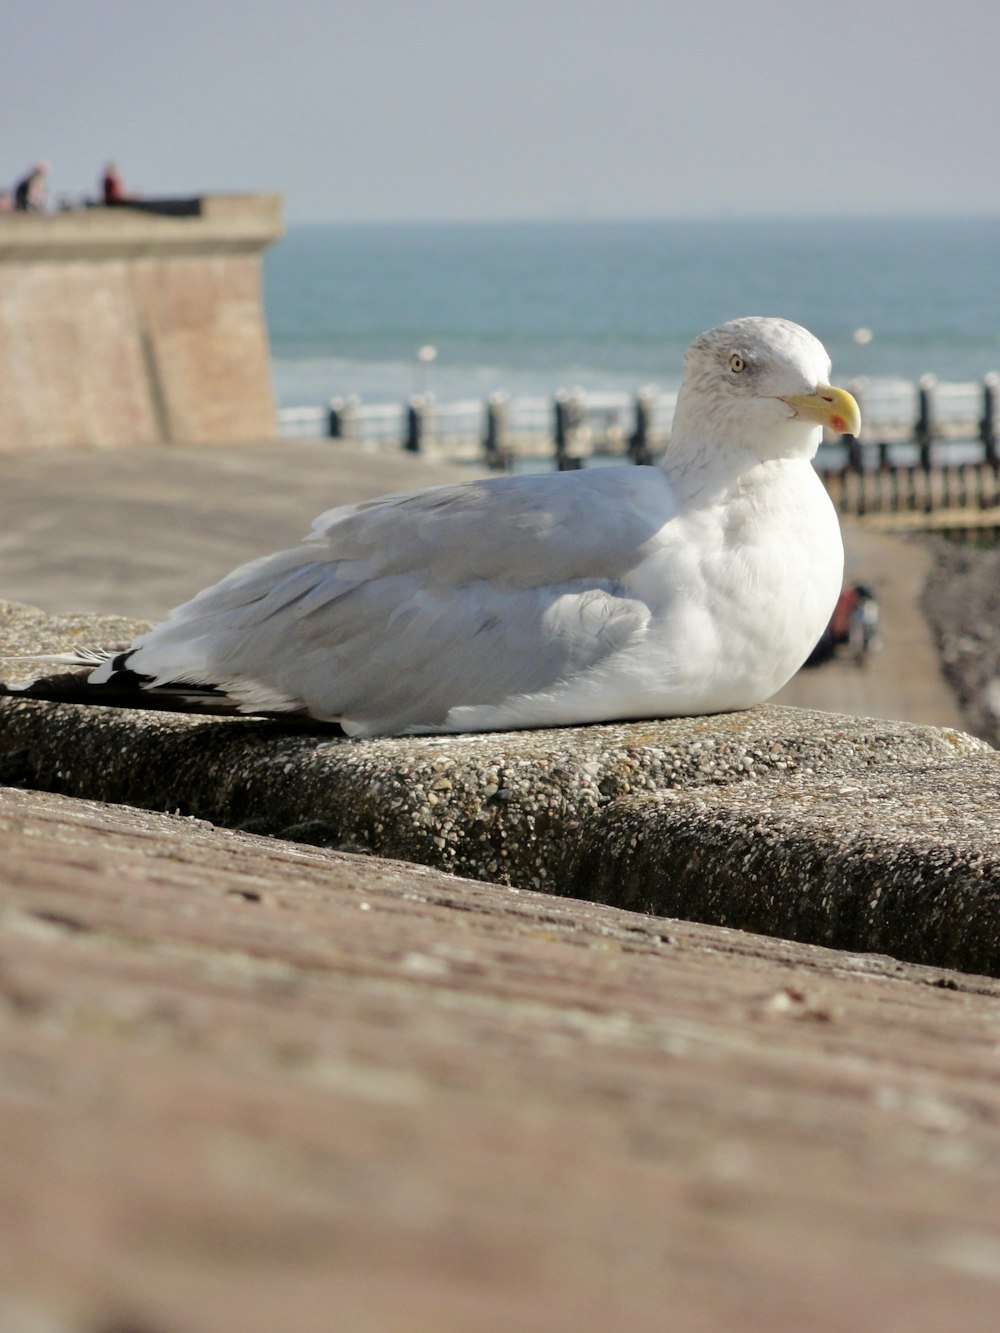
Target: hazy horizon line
[{"x": 587, "y": 219}]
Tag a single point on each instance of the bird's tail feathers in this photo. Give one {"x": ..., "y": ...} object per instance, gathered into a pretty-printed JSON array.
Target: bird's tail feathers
[
  {"x": 106, "y": 679},
  {"x": 120, "y": 688}
]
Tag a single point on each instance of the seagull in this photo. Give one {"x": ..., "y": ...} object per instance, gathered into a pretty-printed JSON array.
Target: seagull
[{"x": 696, "y": 586}]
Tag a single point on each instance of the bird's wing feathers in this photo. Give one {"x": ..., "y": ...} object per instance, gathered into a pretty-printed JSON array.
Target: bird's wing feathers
[
  {"x": 395, "y": 653},
  {"x": 396, "y": 611},
  {"x": 529, "y": 530}
]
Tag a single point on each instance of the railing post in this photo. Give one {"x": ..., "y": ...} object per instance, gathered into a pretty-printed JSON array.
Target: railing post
[
  {"x": 343, "y": 418},
  {"x": 495, "y": 445},
  {"x": 923, "y": 430},
  {"x": 990, "y": 419},
  {"x": 570, "y": 415},
  {"x": 335, "y": 419},
  {"x": 560, "y": 428},
  {"x": 414, "y": 428},
  {"x": 640, "y": 441},
  {"x": 419, "y": 422}
]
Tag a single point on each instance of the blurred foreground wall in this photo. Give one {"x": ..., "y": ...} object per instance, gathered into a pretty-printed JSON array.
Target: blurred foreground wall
[{"x": 136, "y": 325}]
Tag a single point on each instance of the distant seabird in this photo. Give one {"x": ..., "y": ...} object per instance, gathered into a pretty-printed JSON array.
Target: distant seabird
[{"x": 697, "y": 586}]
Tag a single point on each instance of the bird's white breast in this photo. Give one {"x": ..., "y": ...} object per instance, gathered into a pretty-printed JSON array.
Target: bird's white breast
[{"x": 739, "y": 590}]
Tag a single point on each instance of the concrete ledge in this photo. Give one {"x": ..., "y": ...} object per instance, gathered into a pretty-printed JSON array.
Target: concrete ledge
[
  {"x": 862, "y": 834},
  {"x": 220, "y": 224}
]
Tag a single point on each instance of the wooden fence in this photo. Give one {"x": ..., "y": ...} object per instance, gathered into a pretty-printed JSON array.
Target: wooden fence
[
  {"x": 927, "y": 459},
  {"x": 949, "y": 498},
  {"x": 950, "y": 482},
  {"x": 565, "y": 429}
]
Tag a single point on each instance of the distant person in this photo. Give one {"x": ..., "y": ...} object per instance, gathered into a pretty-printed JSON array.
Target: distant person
[
  {"x": 30, "y": 193},
  {"x": 113, "y": 189}
]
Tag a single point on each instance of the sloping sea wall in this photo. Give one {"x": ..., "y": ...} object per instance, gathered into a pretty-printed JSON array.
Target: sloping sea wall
[{"x": 124, "y": 327}]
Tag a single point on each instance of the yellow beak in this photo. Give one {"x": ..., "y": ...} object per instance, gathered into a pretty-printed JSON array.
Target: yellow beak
[{"x": 831, "y": 407}]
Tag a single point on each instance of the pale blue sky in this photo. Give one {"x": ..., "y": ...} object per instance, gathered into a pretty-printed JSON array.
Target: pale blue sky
[{"x": 469, "y": 109}]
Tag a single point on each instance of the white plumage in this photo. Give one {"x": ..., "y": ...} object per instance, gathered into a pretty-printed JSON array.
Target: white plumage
[{"x": 697, "y": 586}]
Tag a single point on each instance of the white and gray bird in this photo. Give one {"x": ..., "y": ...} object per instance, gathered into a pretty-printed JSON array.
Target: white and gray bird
[{"x": 696, "y": 586}]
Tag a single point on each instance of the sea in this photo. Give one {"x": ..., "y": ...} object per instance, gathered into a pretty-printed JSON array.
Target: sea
[{"x": 529, "y": 308}]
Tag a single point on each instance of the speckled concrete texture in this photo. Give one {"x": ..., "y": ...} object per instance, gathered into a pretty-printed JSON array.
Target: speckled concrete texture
[
  {"x": 252, "y": 1086},
  {"x": 812, "y": 826},
  {"x": 903, "y": 858}
]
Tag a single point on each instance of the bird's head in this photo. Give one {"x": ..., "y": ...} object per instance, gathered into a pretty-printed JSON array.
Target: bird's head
[{"x": 760, "y": 386}]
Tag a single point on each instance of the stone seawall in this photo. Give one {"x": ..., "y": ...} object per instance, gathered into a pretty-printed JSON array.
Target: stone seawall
[
  {"x": 848, "y": 832},
  {"x": 123, "y": 328}
]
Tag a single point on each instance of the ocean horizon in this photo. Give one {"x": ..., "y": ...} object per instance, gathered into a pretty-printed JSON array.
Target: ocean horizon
[{"x": 532, "y": 307}]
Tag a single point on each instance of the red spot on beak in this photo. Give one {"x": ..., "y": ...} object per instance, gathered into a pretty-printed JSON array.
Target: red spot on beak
[{"x": 839, "y": 424}]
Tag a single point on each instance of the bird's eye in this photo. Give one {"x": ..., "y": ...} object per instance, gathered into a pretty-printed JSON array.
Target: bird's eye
[{"x": 736, "y": 363}]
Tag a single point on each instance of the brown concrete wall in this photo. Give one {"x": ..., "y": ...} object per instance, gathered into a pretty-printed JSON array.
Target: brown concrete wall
[{"x": 120, "y": 328}]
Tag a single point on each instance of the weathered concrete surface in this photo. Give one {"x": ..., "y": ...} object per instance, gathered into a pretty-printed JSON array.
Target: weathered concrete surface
[
  {"x": 249, "y": 1085},
  {"x": 862, "y": 834},
  {"x": 135, "y": 532},
  {"x": 120, "y": 328},
  {"x": 140, "y": 532},
  {"x": 226, "y": 224}
]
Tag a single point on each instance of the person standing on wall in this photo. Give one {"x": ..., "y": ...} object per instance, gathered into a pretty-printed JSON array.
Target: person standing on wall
[
  {"x": 112, "y": 189},
  {"x": 30, "y": 194}
]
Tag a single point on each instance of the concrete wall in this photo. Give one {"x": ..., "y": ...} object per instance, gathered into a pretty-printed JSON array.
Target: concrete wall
[
  {"x": 120, "y": 327},
  {"x": 854, "y": 833}
]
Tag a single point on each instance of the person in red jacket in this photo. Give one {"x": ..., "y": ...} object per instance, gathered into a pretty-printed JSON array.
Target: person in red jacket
[{"x": 112, "y": 188}]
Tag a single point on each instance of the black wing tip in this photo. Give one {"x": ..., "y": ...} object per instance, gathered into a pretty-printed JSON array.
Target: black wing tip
[
  {"x": 128, "y": 689},
  {"x": 124, "y": 688},
  {"x": 62, "y": 685}
]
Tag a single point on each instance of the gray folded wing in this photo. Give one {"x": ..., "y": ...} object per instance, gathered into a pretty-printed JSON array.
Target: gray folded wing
[{"x": 394, "y": 612}]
